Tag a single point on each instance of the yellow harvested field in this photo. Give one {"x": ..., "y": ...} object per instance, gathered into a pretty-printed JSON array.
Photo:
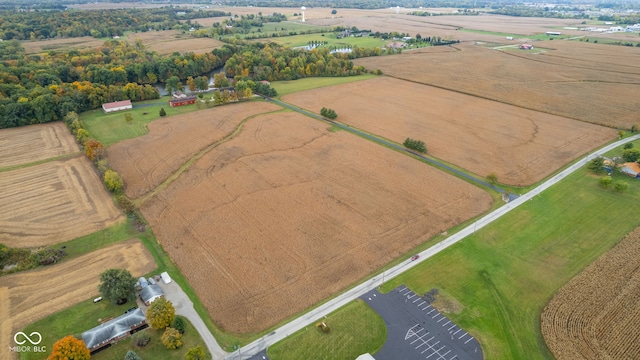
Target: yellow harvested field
[
  {"x": 589, "y": 82},
  {"x": 597, "y": 314},
  {"x": 30, "y": 296},
  {"x": 85, "y": 42},
  {"x": 520, "y": 146},
  {"x": 169, "y": 41},
  {"x": 53, "y": 202},
  {"x": 288, "y": 213},
  {"x": 28, "y": 144},
  {"x": 145, "y": 162}
]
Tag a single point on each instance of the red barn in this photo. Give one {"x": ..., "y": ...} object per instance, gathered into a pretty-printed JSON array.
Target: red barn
[{"x": 182, "y": 101}]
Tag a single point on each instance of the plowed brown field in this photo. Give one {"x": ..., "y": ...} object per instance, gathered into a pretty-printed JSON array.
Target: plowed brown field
[
  {"x": 520, "y": 146},
  {"x": 288, "y": 213},
  {"x": 30, "y": 296},
  {"x": 597, "y": 314},
  {"x": 584, "y": 81},
  {"x": 146, "y": 161},
  {"x": 53, "y": 202},
  {"x": 27, "y": 144}
]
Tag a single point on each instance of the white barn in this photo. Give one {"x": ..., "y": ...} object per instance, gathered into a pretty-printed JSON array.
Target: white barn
[{"x": 117, "y": 106}]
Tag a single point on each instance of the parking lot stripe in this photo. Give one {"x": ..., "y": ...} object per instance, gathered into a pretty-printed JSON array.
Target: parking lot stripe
[
  {"x": 432, "y": 310},
  {"x": 434, "y": 316},
  {"x": 463, "y": 335},
  {"x": 452, "y": 326},
  {"x": 442, "y": 318},
  {"x": 457, "y": 331},
  {"x": 471, "y": 338},
  {"x": 454, "y": 356},
  {"x": 447, "y": 323},
  {"x": 421, "y": 303},
  {"x": 414, "y": 301}
]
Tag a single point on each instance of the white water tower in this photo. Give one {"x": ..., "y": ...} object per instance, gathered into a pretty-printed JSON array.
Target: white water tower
[
  {"x": 303, "y": 9},
  {"x": 397, "y": 10}
]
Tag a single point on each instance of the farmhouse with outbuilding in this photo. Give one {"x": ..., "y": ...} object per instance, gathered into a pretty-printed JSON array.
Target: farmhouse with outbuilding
[
  {"x": 117, "y": 106},
  {"x": 114, "y": 330}
]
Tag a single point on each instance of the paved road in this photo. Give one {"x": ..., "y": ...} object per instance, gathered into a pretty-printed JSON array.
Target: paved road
[
  {"x": 341, "y": 300},
  {"x": 183, "y": 305}
]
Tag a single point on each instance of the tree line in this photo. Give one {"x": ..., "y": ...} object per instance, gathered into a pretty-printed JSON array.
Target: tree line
[
  {"x": 39, "y": 89},
  {"x": 37, "y": 25}
]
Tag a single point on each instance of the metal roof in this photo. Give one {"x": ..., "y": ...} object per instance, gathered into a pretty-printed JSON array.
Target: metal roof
[
  {"x": 103, "y": 333},
  {"x": 149, "y": 292}
]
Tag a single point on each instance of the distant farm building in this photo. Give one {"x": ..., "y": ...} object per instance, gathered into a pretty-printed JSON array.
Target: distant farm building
[
  {"x": 150, "y": 293},
  {"x": 112, "y": 331},
  {"x": 631, "y": 169},
  {"x": 182, "y": 101},
  {"x": 526, "y": 47},
  {"x": 553, "y": 33},
  {"x": 117, "y": 106}
]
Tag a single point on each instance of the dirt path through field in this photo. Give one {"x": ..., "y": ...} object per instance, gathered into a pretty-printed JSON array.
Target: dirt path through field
[{"x": 30, "y": 296}]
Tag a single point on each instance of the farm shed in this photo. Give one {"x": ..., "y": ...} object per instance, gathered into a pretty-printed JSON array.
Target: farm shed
[
  {"x": 631, "y": 169},
  {"x": 117, "y": 106},
  {"x": 526, "y": 47},
  {"x": 150, "y": 293},
  {"x": 114, "y": 330},
  {"x": 187, "y": 100}
]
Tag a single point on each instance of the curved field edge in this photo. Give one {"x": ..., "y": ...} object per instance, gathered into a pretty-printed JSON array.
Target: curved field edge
[
  {"x": 596, "y": 314},
  {"x": 355, "y": 329},
  {"x": 504, "y": 275}
]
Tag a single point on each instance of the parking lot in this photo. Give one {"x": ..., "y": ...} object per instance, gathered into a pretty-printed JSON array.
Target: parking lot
[{"x": 416, "y": 330}]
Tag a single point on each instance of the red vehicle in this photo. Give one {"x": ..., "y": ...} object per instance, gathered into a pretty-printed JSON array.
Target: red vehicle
[{"x": 415, "y": 257}]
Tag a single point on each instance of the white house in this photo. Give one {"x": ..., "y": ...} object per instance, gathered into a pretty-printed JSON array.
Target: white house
[{"x": 117, "y": 106}]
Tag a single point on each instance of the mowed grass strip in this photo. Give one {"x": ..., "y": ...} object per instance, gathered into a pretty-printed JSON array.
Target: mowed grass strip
[
  {"x": 505, "y": 274},
  {"x": 292, "y": 86},
  {"x": 355, "y": 329}
]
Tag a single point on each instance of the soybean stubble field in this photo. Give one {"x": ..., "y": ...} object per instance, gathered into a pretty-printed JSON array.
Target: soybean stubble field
[
  {"x": 520, "y": 146},
  {"x": 588, "y": 82},
  {"x": 288, "y": 213}
]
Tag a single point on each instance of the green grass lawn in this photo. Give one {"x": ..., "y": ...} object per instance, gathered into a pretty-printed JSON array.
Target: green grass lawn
[
  {"x": 86, "y": 315},
  {"x": 516, "y": 36},
  {"x": 112, "y": 128},
  {"x": 292, "y": 86},
  {"x": 355, "y": 329},
  {"x": 503, "y": 276},
  {"x": 330, "y": 38}
]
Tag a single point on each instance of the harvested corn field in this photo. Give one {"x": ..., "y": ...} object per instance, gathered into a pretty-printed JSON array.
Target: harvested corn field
[
  {"x": 597, "y": 314},
  {"x": 28, "y": 144}
]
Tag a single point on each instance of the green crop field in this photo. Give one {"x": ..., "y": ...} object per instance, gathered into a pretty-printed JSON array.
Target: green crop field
[
  {"x": 355, "y": 329},
  {"x": 503, "y": 276},
  {"x": 292, "y": 86},
  {"x": 332, "y": 41}
]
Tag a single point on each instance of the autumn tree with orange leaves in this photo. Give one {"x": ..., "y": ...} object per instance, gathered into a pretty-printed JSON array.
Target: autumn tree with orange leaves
[
  {"x": 69, "y": 348},
  {"x": 93, "y": 149}
]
